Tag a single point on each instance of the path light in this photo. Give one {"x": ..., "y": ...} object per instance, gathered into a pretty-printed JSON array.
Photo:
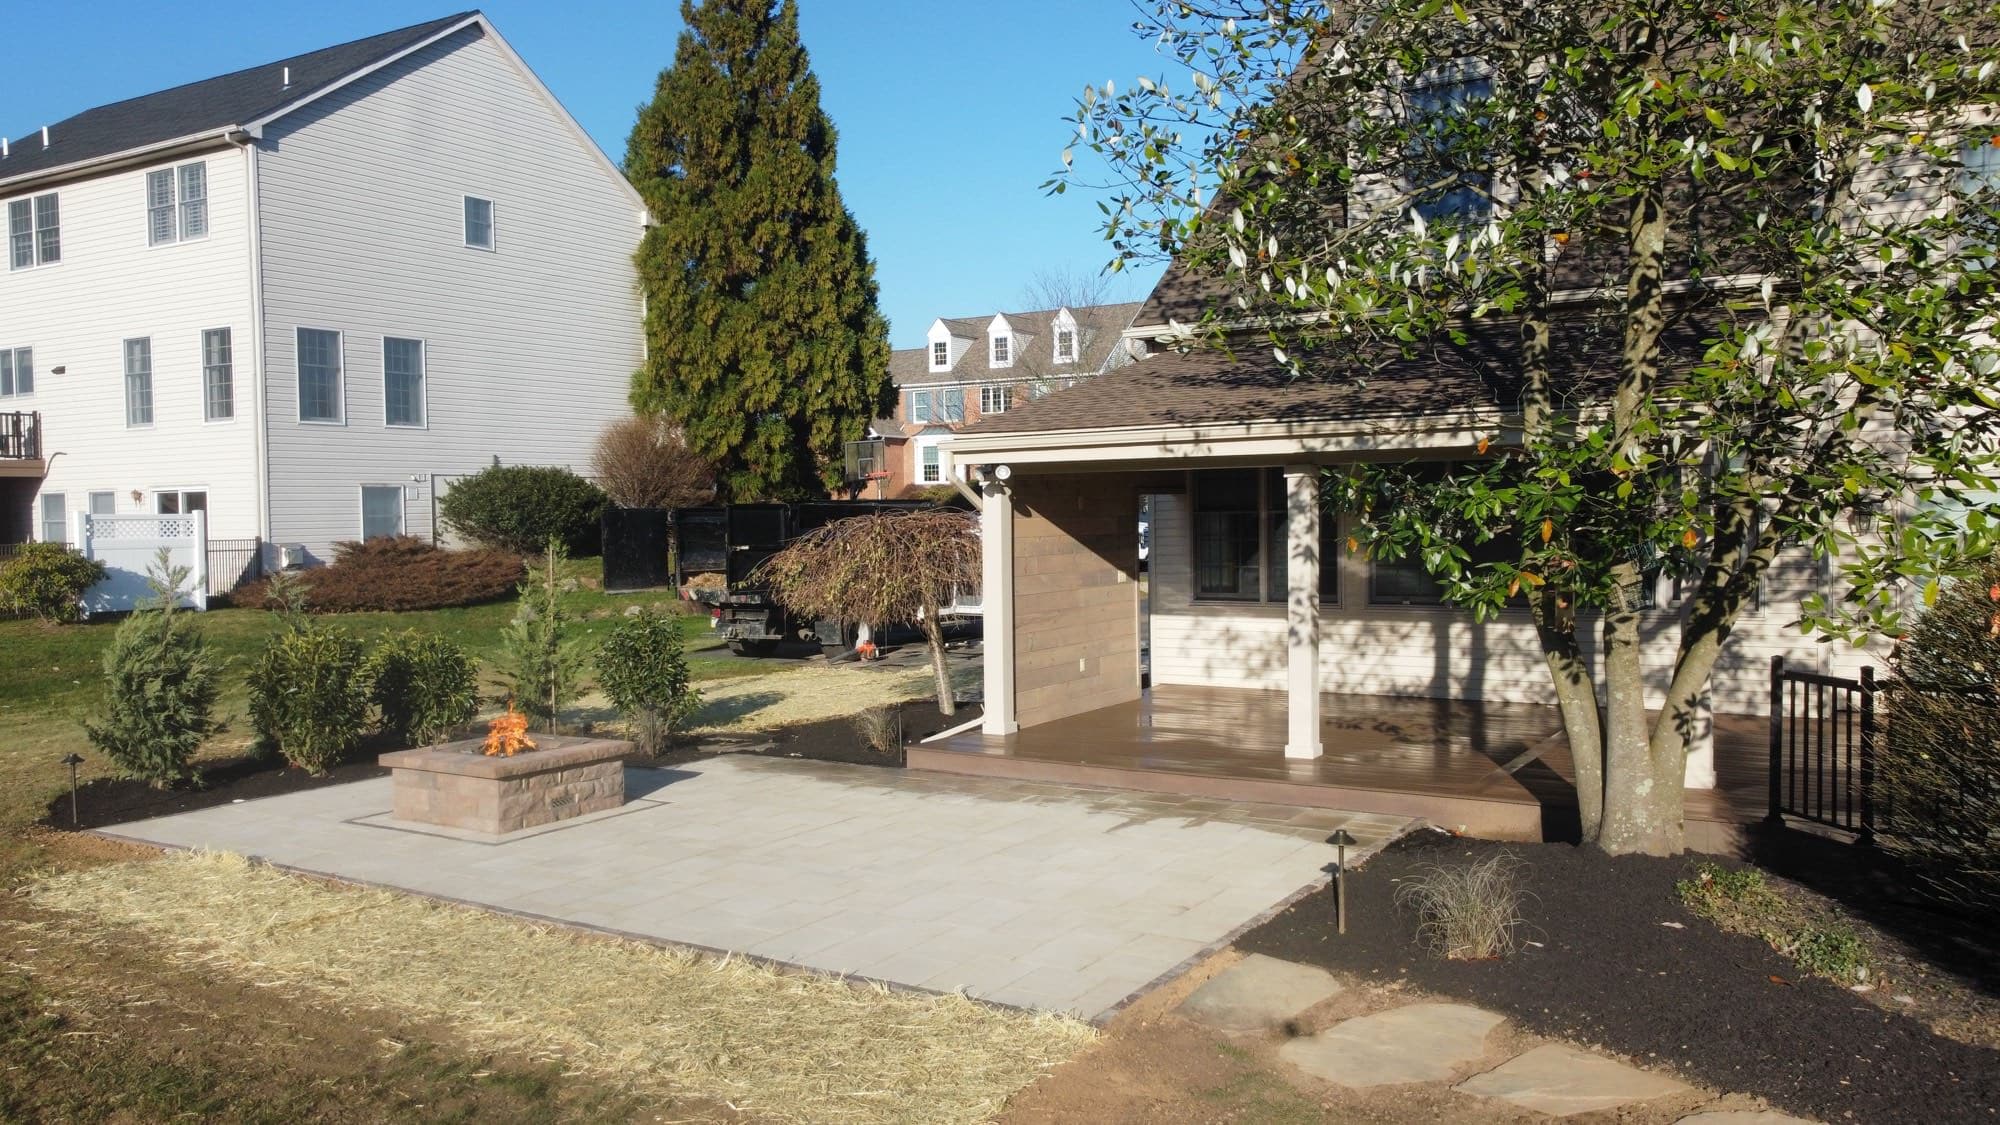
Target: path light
[
  {"x": 1341, "y": 841},
  {"x": 72, "y": 760}
]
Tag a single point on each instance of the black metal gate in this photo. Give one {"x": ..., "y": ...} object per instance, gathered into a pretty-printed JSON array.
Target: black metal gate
[{"x": 1823, "y": 741}]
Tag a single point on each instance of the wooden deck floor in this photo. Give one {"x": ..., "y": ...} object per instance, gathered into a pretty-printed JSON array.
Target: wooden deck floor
[{"x": 1491, "y": 769}]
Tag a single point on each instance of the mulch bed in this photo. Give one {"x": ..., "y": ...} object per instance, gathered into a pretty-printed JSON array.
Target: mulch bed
[
  {"x": 116, "y": 800},
  {"x": 829, "y": 740},
  {"x": 1610, "y": 970}
]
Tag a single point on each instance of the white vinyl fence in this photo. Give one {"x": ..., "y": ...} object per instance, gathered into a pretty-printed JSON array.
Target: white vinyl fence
[{"x": 129, "y": 548}]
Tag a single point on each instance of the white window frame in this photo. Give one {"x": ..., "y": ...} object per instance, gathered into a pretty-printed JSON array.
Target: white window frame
[
  {"x": 42, "y": 523},
  {"x": 125, "y": 359},
  {"x": 361, "y": 510},
  {"x": 181, "y": 206},
  {"x": 995, "y": 398},
  {"x": 940, "y": 355},
  {"x": 1065, "y": 346},
  {"x": 922, "y": 406},
  {"x": 423, "y": 383},
  {"x": 32, "y": 230},
  {"x": 180, "y": 496},
  {"x": 208, "y": 372},
  {"x": 339, "y": 377},
  {"x": 110, "y": 508},
  {"x": 1001, "y": 350},
  {"x": 930, "y": 463},
  {"x": 492, "y": 243},
  {"x": 13, "y": 362}
]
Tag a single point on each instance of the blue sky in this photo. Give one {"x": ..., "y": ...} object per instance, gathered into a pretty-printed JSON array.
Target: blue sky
[{"x": 949, "y": 111}]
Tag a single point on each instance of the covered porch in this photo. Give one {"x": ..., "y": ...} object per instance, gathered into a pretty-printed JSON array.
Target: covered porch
[{"x": 1492, "y": 769}]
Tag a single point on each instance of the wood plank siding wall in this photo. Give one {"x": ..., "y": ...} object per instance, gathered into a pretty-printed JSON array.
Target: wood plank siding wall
[
  {"x": 1076, "y": 595},
  {"x": 1437, "y": 652}
]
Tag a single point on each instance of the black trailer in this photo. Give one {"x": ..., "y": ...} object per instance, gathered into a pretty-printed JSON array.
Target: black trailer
[{"x": 733, "y": 540}]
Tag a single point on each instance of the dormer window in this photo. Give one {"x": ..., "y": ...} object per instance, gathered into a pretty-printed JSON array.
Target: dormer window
[
  {"x": 1441, "y": 152},
  {"x": 1066, "y": 345},
  {"x": 1003, "y": 351},
  {"x": 941, "y": 355}
]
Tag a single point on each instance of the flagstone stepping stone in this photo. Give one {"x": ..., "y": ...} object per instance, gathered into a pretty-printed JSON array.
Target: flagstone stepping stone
[
  {"x": 1745, "y": 1117},
  {"x": 1258, "y": 992},
  {"x": 1560, "y": 1080},
  {"x": 1414, "y": 1043}
]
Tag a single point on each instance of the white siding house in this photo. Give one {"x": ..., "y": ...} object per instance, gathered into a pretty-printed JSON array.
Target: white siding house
[{"x": 451, "y": 246}]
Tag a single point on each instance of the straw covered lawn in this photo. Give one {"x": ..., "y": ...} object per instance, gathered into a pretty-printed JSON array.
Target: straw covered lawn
[
  {"x": 778, "y": 1045},
  {"x": 813, "y": 692}
]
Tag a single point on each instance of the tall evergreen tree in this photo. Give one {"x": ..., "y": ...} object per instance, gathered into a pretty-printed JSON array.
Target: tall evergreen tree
[{"x": 763, "y": 337}]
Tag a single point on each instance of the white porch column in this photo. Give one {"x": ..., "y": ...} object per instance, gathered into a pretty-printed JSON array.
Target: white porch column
[
  {"x": 996, "y": 561},
  {"x": 1302, "y": 563}
]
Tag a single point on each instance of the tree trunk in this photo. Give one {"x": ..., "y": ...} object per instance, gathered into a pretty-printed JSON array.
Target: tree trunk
[
  {"x": 934, "y": 636},
  {"x": 1642, "y": 801},
  {"x": 1576, "y": 698}
]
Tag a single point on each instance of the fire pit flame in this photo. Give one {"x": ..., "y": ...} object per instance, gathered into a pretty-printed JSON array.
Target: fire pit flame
[{"x": 507, "y": 735}]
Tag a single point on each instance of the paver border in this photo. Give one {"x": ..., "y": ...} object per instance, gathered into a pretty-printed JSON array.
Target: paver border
[{"x": 1101, "y": 1019}]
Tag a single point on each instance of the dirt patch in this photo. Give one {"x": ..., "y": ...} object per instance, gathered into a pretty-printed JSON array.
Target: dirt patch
[
  {"x": 1616, "y": 962},
  {"x": 1155, "y": 1065},
  {"x": 827, "y": 740},
  {"x": 818, "y": 691},
  {"x": 117, "y": 800},
  {"x": 102, "y": 1027}
]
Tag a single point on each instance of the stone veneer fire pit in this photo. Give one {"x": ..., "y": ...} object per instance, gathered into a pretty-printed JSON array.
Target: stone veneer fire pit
[{"x": 457, "y": 786}]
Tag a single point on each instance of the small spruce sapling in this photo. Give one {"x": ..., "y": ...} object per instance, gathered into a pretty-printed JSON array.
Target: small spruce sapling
[
  {"x": 160, "y": 686},
  {"x": 541, "y": 666}
]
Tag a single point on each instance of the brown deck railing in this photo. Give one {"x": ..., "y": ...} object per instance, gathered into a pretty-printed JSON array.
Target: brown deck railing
[{"x": 21, "y": 436}]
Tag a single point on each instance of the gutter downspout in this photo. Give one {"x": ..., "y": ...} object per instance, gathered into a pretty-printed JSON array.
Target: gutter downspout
[{"x": 260, "y": 435}]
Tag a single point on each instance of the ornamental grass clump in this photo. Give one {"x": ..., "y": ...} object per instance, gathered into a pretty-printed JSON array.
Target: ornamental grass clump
[
  {"x": 642, "y": 667},
  {"x": 160, "y": 686},
  {"x": 423, "y": 686},
  {"x": 1467, "y": 911}
]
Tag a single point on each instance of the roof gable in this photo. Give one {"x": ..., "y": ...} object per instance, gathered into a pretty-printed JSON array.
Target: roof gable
[{"x": 210, "y": 105}]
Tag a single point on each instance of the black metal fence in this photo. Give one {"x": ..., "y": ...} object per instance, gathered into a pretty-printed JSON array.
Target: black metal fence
[
  {"x": 1823, "y": 748},
  {"x": 232, "y": 562},
  {"x": 21, "y": 435}
]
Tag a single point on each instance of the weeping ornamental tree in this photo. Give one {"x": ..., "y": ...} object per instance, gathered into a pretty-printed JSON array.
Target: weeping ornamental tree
[
  {"x": 1731, "y": 258},
  {"x": 764, "y": 343},
  {"x": 891, "y": 568}
]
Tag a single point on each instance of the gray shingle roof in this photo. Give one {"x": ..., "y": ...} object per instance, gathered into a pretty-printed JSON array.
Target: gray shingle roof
[
  {"x": 198, "y": 107},
  {"x": 1248, "y": 385},
  {"x": 1098, "y": 327}
]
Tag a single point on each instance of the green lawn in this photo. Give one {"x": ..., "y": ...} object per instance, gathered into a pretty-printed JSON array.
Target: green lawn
[{"x": 49, "y": 675}]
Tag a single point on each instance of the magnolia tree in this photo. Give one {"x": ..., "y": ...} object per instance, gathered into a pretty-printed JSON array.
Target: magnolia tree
[
  {"x": 889, "y": 568},
  {"x": 1736, "y": 258}
]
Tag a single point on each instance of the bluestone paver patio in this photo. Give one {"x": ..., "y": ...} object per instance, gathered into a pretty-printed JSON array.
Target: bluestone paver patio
[{"x": 1038, "y": 895}]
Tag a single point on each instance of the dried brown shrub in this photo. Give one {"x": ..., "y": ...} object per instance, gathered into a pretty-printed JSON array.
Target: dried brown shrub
[
  {"x": 399, "y": 573},
  {"x": 644, "y": 463}
]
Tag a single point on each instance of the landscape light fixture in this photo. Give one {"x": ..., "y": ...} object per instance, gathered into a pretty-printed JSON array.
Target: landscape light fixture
[
  {"x": 1340, "y": 840},
  {"x": 72, "y": 760}
]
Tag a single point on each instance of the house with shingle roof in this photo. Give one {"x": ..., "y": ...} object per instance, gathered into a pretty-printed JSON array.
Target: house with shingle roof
[
  {"x": 302, "y": 298},
  {"x": 980, "y": 368},
  {"x": 1259, "y": 655}
]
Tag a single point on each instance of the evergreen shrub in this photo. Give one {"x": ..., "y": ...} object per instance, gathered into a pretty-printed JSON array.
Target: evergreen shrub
[{"x": 519, "y": 508}]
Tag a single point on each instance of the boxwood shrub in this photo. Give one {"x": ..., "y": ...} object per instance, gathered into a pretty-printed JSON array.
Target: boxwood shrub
[{"x": 519, "y": 508}]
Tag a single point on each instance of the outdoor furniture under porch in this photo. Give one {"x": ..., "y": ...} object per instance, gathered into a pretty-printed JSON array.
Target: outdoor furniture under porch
[{"x": 1498, "y": 770}]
